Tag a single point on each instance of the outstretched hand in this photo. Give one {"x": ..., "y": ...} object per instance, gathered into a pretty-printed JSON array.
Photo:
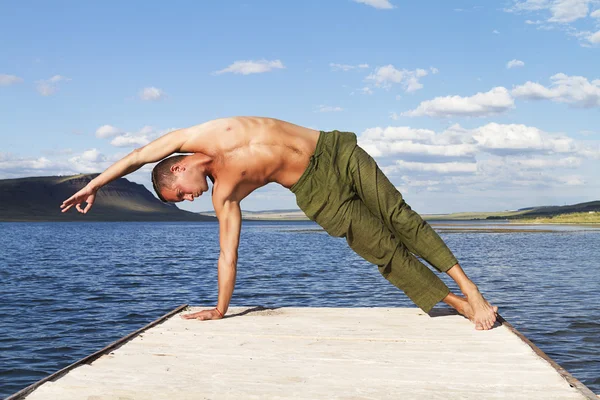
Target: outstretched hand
[
  {"x": 203, "y": 315},
  {"x": 85, "y": 195}
]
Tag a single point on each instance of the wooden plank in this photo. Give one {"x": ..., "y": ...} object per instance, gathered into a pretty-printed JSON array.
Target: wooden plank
[
  {"x": 573, "y": 382},
  {"x": 89, "y": 359},
  {"x": 306, "y": 353}
]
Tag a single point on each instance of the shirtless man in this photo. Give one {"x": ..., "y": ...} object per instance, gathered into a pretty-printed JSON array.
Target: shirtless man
[{"x": 336, "y": 183}]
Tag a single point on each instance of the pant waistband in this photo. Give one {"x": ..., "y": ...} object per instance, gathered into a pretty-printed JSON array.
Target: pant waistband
[{"x": 312, "y": 164}]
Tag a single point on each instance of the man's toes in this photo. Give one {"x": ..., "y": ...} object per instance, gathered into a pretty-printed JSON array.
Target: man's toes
[
  {"x": 495, "y": 308},
  {"x": 479, "y": 326}
]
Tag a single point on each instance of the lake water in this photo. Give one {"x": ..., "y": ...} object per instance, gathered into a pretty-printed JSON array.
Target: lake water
[{"x": 69, "y": 289}]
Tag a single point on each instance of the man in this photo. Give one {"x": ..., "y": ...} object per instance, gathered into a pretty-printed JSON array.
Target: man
[{"x": 336, "y": 183}]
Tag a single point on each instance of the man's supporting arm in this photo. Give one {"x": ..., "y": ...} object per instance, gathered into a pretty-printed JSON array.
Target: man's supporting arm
[{"x": 230, "y": 224}]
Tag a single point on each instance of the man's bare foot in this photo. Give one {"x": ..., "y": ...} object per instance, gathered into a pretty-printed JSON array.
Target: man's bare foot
[
  {"x": 463, "y": 306},
  {"x": 484, "y": 314}
]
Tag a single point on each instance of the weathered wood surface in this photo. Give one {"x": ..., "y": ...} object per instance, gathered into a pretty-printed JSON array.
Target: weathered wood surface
[{"x": 313, "y": 353}]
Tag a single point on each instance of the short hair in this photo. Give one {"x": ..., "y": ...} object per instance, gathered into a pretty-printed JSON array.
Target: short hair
[{"x": 162, "y": 175}]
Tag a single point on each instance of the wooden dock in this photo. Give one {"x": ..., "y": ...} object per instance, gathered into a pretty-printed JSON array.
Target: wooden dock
[{"x": 314, "y": 353}]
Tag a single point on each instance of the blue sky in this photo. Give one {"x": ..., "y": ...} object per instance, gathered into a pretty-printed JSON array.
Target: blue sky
[{"x": 465, "y": 105}]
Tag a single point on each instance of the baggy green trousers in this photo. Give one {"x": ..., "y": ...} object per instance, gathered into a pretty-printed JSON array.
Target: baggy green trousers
[{"x": 345, "y": 192}]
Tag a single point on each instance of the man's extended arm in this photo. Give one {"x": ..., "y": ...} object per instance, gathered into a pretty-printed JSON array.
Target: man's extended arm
[
  {"x": 154, "y": 151},
  {"x": 230, "y": 223}
]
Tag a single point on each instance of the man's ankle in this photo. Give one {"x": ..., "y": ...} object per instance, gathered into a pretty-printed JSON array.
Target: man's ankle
[{"x": 469, "y": 288}]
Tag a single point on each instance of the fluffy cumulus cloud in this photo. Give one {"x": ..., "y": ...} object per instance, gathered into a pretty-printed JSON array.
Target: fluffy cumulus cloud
[
  {"x": 47, "y": 87},
  {"x": 7, "y": 80},
  {"x": 576, "y": 90},
  {"x": 514, "y": 64},
  {"x": 152, "y": 94},
  {"x": 379, "y": 4},
  {"x": 123, "y": 138},
  {"x": 14, "y": 166},
  {"x": 493, "y": 154},
  {"x": 496, "y": 101},
  {"x": 347, "y": 67},
  {"x": 387, "y": 76},
  {"x": 251, "y": 67},
  {"x": 89, "y": 161},
  {"x": 516, "y": 138},
  {"x": 106, "y": 131}
]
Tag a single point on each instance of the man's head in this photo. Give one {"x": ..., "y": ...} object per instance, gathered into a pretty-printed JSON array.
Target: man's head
[{"x": 181, "y": 177}]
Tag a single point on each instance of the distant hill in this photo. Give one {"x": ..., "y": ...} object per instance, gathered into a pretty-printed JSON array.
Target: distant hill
[
  {"x": 522, "y": 213},
  {"x": 39, "y": 199},
  {"x": 551, "y": 211}
]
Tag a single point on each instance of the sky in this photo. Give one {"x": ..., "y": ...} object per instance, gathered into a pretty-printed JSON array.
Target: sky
[{"x": 465, "y": 105}]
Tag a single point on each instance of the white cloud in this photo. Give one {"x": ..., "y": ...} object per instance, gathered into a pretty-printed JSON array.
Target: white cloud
[
  {"x": 90, "y": 161},
  {"x": 496, "y": 32},
  {"x": 440, "y": 168},
  {"x": 137, "y": 139},
  {"x": 417, "y": 183},
  {"x": 130, "y": 140},
  {"x": 7, "y": 80},
  {"x": 496, "y": 101},
  {"x": 569, "y": 10},
  {"x": 515, "y": 63},
  {"x": 380, "y": 4},
  {"x": 152, "y": 94},
  {"x": 434, "y": 70},
  {"x": 323, "y": 108},
  {"x": 10, "y": 165},
  {"x": 388, "y": 75},
  {"x": 517, "y": 138},
  {"x": 494, "y": 151},
  {"x": 561, "y": 11},
  {"x": 251, "y": 67},
  {"x": 48, "y": 87},
  {"x": 575, "y": 90},
  {"x": 558, "y": 14},
  {"x": 366, "y": 90},
  {"x": 380, "y": 142},
  {"x": 346, "y": 67},
  {"x": 106, "y": 131},
  {"x": 594, "y": 38},
  {"x": 545, "y": 163},
  {"x": 398, "y": 133}
]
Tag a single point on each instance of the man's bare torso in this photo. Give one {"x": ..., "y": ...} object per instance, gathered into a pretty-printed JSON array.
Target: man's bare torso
[{"x": 250, "y": 152}]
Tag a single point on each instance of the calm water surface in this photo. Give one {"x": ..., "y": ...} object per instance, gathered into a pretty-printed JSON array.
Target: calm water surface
[{"x": 69, "y": 289}]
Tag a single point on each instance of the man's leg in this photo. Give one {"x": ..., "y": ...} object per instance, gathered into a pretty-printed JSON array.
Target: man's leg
[
  {"x": 370, "y": 239},
  {"x": 385, "y": 201}
]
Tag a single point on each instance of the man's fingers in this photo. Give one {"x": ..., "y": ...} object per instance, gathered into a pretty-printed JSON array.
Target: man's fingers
[
  {"x": 67, "y": 208},
  {"x": 89, "y": 205}
]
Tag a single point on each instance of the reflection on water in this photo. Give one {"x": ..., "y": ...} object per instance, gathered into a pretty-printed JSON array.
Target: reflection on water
[{"x": 69, "y": 289}]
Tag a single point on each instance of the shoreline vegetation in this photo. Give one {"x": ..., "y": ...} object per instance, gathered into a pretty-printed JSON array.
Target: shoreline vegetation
[{"x": 574, "y": 218}]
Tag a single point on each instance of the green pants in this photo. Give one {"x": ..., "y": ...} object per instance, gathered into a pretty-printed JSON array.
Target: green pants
[{"x": 345, "y": 192}]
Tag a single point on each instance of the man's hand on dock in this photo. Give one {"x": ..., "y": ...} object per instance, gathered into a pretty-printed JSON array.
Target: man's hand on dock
[{"x": 203, "y": 315}]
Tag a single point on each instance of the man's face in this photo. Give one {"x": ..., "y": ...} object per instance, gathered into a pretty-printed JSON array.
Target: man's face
[{"x": 189, "y": 184}]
